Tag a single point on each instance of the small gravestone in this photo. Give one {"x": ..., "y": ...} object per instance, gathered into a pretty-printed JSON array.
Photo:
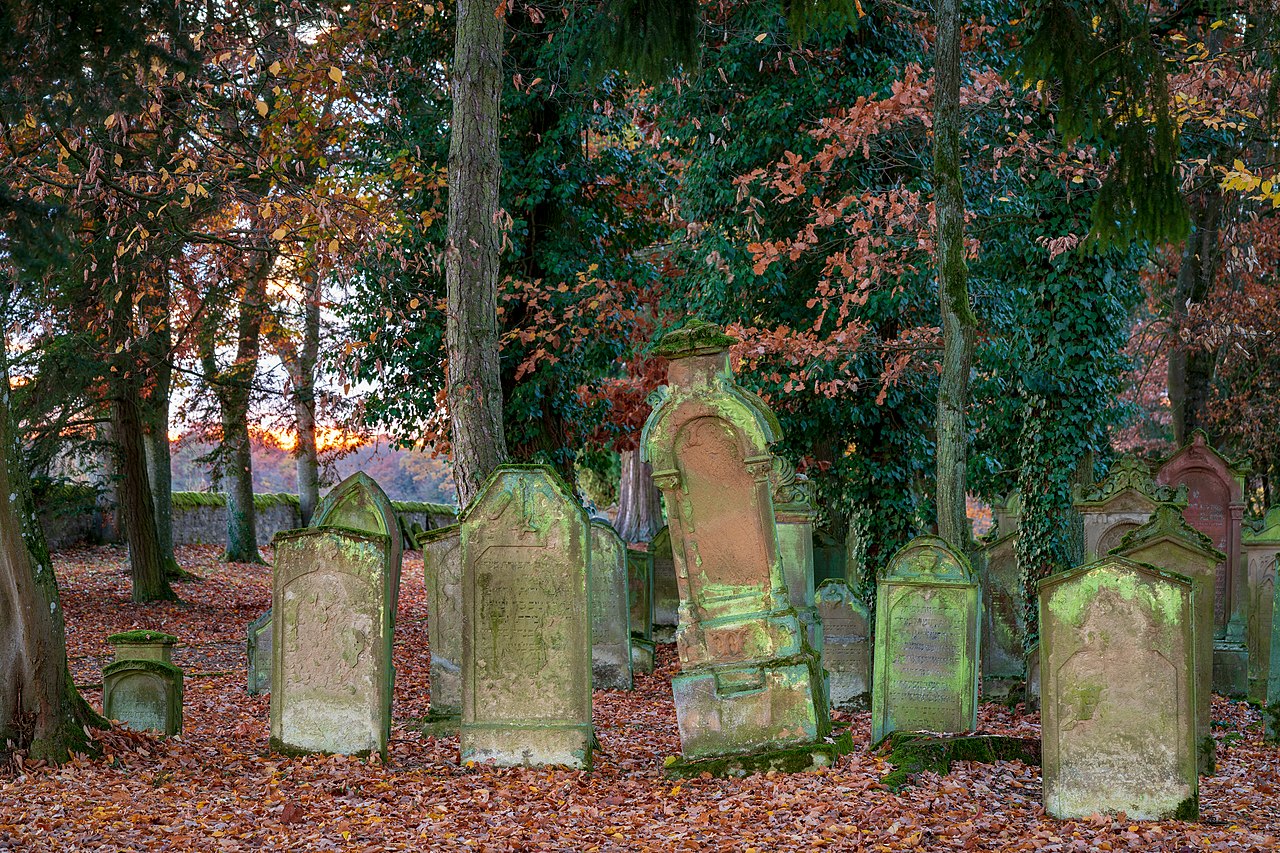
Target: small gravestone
[
  {"x": 1003, "y": 618},
  {"x": 442, "y": 575},
  {"x": 258, "y": 643},
  {"x": 927, "y": 642},
  {"x": 1118, "y": 705},
  {"x": 526, "y": 640},
  {"x": 666, "y": 593},
  {"x": 331, "y": 678},
  {"x": 1032, "y": 698},
  {"x": 141, "y": 687},
  {"x": 610, "y": 613},
  {"x": 794, "y": 511},
  {"x": 640, "y": 598},
  {"x": 1261, "y": 543},
  {"x": 1007, "y": 514},
  {"x": 1123, "y": 501},
  {"x": 846, "y": 651}
]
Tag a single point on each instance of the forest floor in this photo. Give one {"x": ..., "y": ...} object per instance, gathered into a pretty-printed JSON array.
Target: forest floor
[{"x": 217, "y": 788}]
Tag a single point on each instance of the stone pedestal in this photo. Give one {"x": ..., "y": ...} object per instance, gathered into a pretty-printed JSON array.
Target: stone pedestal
[{"x": 141, "y": 687}]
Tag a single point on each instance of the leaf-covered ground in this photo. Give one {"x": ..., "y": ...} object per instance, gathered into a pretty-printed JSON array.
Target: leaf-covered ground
[{"x": 217, "y": 787}]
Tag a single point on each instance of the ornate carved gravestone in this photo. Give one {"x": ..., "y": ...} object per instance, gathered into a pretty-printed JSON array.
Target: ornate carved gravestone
[
  {"x": 666, "y": 594},
  {"x": 1169, "y": 543},
  {"x": 258, "y": 644},
  {"x": 610, "y": 613},
  {"x": 1261, "y": 543},
  {"x": 141, "y": 687},
  {"x": 749, "y": 681},
  {"x": 1122, "y": 501},
  {"x": 442, "y": 573},
  {"x": 640, "y": 598},
  {"x": 526, "y": 640},
  {"x": 846, "y": 652},
  {"x": 1118, "y": 703},
  {"x": 1215, "y": 507},
  {"x": 1003, "y": 617},
  {"x": 928, "y": 607},
  {"x": 794, "y": 511}
]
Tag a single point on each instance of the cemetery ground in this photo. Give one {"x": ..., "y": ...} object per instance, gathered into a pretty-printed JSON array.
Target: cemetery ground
[{"x": 217, "y": 787}]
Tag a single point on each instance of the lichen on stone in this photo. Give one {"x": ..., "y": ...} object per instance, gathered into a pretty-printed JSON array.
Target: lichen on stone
[
  {"x": 141, "y": 635},
  {"x": 694, "y": 337}
]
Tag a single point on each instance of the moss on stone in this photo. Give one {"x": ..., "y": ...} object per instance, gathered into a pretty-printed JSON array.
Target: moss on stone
[
  {"x": 913, "y": 753},
  {"x": 695, "y": 336},
  {"x": 1188, "y": 809},
  {"x": 424, "y": 506},
  {"x": 1208, "y": 755},
  {"x": 194, "y": 500},
  {"x": 281, "y": 748},
  {"x": 794, "y": 759},
  {"x": 141, "y": 635}
]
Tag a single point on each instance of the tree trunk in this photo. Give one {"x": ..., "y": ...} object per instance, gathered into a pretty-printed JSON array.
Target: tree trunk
[
  {"x": 639, "y": 501},
  {"x": 474, "y": 393},
  {"x": 146, "y": 563},
  {"x": 155, "y": 440},
  {"x": 237, "y": 454},
  {"x": 304, "y": 407},
  {"x": 958, "y": 322},
  {"x": 1191, "y": 367}
]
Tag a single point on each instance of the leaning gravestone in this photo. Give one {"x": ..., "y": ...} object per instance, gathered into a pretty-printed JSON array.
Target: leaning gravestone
[
  {"x": 928, "y": 608},
  {"x": 526, "y": 640},
  {"x": 750, "y": 684},
  {"x": 666, "y": 592},
  {"x": 610, "y": 613},
  {"x": 258, "y": 643},
  {"x": 1124, "y": 500},
  {"x": 794, "y": 511},
  {"x": 846, "y": 651},
  {"x": 1118, "y": 696},
  {"x": 1003, "y": 617},
  {"x": 1169, "y": 543},
  {"x": 640, "y": 598},
  {"x": 1261, "y": 542},
  {"x": 442, "y": 573},
  {"x": 141, "y": 687}
]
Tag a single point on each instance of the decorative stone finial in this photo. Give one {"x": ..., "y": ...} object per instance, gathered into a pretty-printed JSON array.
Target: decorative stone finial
[{"x": 695, "y": 337}]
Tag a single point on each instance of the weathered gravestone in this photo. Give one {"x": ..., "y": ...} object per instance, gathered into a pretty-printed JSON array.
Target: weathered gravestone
[
  {"x": 1215, "y": 507},
  {"x": 1003, "y": 617},
  {"x": 141, "y": 687},
  {"x": 1261, "y": 543},
  {"x": 1169, "y": 543},
  {"x": 1120, "y": 502},
  {"x": 846, "y": 651},
  {"x": 828, "y": 558},
  {"x": 1117, "y": 656},
  {"x": 1007, "y": 514},
  {"x": 750, "y": 683},
  {"x": 1271, "y": 713},
  {"x": 610, "y": 613},
  {"x": 927, "y": 642},
  {"x": 666, "y": 594},
  {"x": 442, "y": 573},
  {"x": 640, "y": 599},
  {"x": 359, "y": 503},
  {"x": 526, "y": 640},
  {"x": 258, "y": 645},
  {"x": 1032, "y": 699},
  {"x": 794, "y": 511}
]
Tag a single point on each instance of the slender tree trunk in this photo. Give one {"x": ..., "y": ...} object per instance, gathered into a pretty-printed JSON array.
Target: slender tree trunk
[
  {"x": 155, "y": 439},
  {"x": 307, "y": 457},
  {"x": 639, "y": 501},
  {"x": 1191, "y": 368},
  {"x": 146, "y": 563},
  {"x": 958, "y": 322},
  {"x": 242, "y": 522},
  {"x": 474, "y": 392}
]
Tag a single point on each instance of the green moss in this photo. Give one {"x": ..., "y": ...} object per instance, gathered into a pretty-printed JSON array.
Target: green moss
[
  {"x": 194, "y": 500},
  {"x": 795, "y": 759},
  {"x": 912, "y": 753},
  {"x": 281, "y": 748},
  {"x": 1209, "y": 755},
  {"x": 695, "y": 336},
  {"x": 1188, "y": 809},
  {"x": 1271, "y": 719},
  {"x": 141, "y": 635},
  {"x": 424, "y": 506}
]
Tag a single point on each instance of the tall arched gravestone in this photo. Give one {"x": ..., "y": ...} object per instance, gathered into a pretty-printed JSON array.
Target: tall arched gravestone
[
  {"x": 610, "y": 612},
  {"x": 666, "y": 594},
  {"x": 795, "y": 511},
  {"x": 1003, "y": 617},
  {"x": 1261, "y": 543},
  {"x": 1215, "y": 507},
  {"x": 927, "y": 642},
  {"x": 1118, "y": 710},
  {"x": 442, "y": 574},
  {"x": 1120, "y": 502},
  {"x": 359, "y": 503},
  {"x": 526, "y": 640},
  {"x": 750, "y": 682},
  {"x": 1169, "y": 543},
  {"x": 640, "y": 601},
  {"x": 846, "y": 653}
]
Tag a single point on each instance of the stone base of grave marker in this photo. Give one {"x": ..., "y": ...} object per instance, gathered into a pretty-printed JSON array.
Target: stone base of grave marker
[
  {"x": 1230, "y": 669},
  {"x": 540, "y": 745},
  {"x": 798, "y": 759},
  {"x": 642, "y": 655},
  {"x": 142, "y": 688}
]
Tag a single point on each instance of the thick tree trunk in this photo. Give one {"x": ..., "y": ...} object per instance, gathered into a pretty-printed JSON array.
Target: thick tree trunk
[
  {"x": 958, "y": 322},
  {"x": 237, "y": 455},
  {"x": 155, "y": 440},
  {"x": 307, "y": 458},
  {"x": 146, "y": 563},
  {"x": 639, "y": 501},
  {"x": 1191, "y": 368},
  {"x": 474, "y": 392}
]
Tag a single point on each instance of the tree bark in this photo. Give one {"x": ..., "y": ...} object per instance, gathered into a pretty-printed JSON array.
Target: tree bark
[
  {"x": 1191, "y": 367},
  {"x": 958, "y": 322},
  {"x": 639, "y": 501},
  {"x": 474, "y": 393},
  {"x": 307, "y": 459},
  {"x": 146, "y": 564},
  {"x": 155, "y": 438}
]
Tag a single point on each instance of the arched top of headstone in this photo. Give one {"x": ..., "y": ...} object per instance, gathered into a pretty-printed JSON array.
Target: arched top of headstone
[
  {"x": 602, "y": 527},
  {"x": 1129, "y": 485},
  {"x": 695, "y": 337},
  {"x": 930, "y": 560},
  {"x": 1167, "y": 524},
  {"x": 438, "y": 533},
  {"x": 661, "y": 541},
  {"x": 1198, "y": 455},
  {"x": 526, "y": 484},
  {"x": 359, "y": 503},
  {"x": 838, "y": 591},
  {"x": 1111, "y": 572},
  {"x": 1263, "y": 531}
]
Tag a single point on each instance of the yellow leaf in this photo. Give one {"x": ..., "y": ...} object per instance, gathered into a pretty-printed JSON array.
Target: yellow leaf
[
  {"x": 274, "y": 68},
  {"x": 1077, "y": 180},
  {"x": 762, "y": 37},
  {"x": 333, "y": 247},
  {"x": 262, "y": 108},
  {"x": 335, "y": 74},
  {"x": 118, "y": 160},
  {"x": 279, "y": 233},
  {"x": 413, "y": 304},
  {"x": 110, "y": 120}
]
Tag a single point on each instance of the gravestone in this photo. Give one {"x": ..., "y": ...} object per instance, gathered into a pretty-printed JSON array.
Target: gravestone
[
  {"x": 1118, "y": 704},
  {"x": 1215, "y": 507},
  {"x": 1032, "y": 698},
  {"x": 442, "y": 574},
  {"x": 666, "y": 594},
  {"x": 141, "y": 687},
  {"x": 1007, "y": 514},
  {"x": 1261, "y": 543},
  {"x": 358, "y": 503},
  {"x": 828, "y": 558},
  {"x": 1271, "y": 713},
  {"x": 610, "y": 613},
  {"x": 1122, "y": 501},
  {"x": 794, "y": 511},
  {"x": 640, "y": 598},
  {"x": 1003, "y": 618},
  {"x": 526, "y": 640},
  {"x": 750, "y": 683},
  {"x": 331, "y": 677},
  {"x": 258, "y": 643},
  {"x": 1169, "y": 543},
  {"x": 927, "y": 641},
  {"x": 846, "y": 652}
]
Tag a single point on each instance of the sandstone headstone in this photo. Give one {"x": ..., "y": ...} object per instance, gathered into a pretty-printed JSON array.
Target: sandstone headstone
[
  {"x": 1122, "y": 501},
  {"x": 259, "y": 648},
  {"x": 749, "y": 680},
  {"x": 666, "y": 594},
  {"x": 358, "y": 503},
  {"x": 794, "y": 511},
  {"x": 1118, "y": 714},
  {"x": 1007, "y": 514},
  {"x": 846, "y": 653},
  {"x": 1261, "y": 542},
  {"x": 442, "y": 573},
  {"x": 640, "y": 597},
  {"x": 526, "y": 641},
  {"x": 1003, "y": 618},
  {"x": 610, "y": 613},
  {"x": 927, "y": 642},
  {"x": 141, "y": 687},
  {"x": 331, "y": 677}
]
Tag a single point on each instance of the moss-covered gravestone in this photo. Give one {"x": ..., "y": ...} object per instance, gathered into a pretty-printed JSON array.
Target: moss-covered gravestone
[
  {"x": 359, "y": 503},
  {"x": 846, "y": 651},
  {"x": 141, "y": 687},
  {"x": 331, "y": 679},
  {"x": 928, "y": 628},
  {"x": 795, "y": 511},
  {"x": 1271, "y": 713},
  {"x": 1118, "y": 707},
  {"x": 1261, "y": 543},
  {"x": 442, "y": 573},
  {"x": 750, "y": 683},
  {"x": 1003, "y": 617},
  {"x": 1215, "y": 507},
  {"x": 666, "y": 594},
  {"x": 258, "y": 646},
  {"x": 1169, "y": 543},
  {"x": 610, "y": 612},
  {"x": 640, "y": 599},
  {"x": 1122, "y": 501},
  {"x": 526, "y": 640}
]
